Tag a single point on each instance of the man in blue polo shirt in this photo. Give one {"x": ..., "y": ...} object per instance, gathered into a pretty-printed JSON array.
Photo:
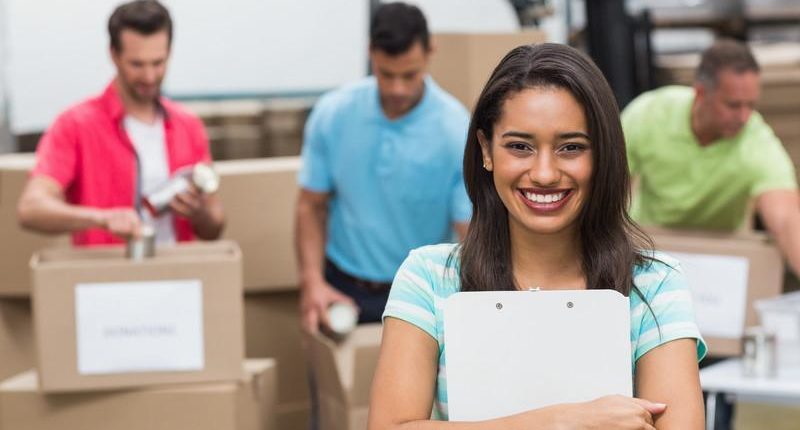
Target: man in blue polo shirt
[{"x": 381, "y": 173}]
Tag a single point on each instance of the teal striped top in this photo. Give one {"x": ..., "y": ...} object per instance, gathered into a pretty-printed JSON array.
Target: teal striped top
[{"x": 424, "y": 281}]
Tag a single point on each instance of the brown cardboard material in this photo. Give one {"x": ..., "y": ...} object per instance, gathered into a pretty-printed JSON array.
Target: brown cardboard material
[
  {"x": 259, "y": 198},
  {"x": 295, "y": 416},
  {"x": 344, "y": 374},
  {"x": 765, "y": 277},
  {"x": 758, "y": 416},
  {"x": 272, "y": 329},
  {"x": 463, "y": 62},
  {"x": 247, "y": 404},
  {"x": 16, "y": 337},
  {"x": 17, "y": 244},
  {"x": 56, "y": 272}
]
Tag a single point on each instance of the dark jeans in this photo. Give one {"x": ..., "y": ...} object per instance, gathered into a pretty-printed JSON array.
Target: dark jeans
[{"x": 370, "y": 302}]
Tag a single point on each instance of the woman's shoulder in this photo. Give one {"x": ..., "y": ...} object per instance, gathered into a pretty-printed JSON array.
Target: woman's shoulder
[
  {"x": 437, "y": 253},
  {"x": 437, "y": 264},
  {"x": 656, "y": 271}
]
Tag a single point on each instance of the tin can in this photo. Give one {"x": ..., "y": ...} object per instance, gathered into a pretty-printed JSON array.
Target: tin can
[
  {"x": 760, "y": 356},
  {"x": 142, "y": 247},
  {"x": 342, "y": 319},
  {"x": 202, "y": 176}
]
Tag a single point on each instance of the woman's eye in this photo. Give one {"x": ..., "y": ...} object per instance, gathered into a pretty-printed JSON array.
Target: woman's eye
[
  {"x": 517, "y": 146},
  {"x": 572, "y": 147}
]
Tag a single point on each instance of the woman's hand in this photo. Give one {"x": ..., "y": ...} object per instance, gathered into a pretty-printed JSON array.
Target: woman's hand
[{"x": 610, "y": 412}]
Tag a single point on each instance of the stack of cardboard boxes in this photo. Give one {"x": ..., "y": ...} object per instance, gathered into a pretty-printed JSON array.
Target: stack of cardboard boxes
[
  {"x": 253, "y": 128},
  {"x": 16, "y": 248},
  {"x": 259, "y": 197},
  {"x": 123, "y": 344},
  {"x": 119, "y": 344}
]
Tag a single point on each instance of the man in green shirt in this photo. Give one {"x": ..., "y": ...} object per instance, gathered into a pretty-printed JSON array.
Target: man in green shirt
[{"x": 703, "y": 156}]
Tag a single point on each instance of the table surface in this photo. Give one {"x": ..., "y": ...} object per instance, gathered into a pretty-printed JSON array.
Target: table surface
[{"x": 726, "y": 377}]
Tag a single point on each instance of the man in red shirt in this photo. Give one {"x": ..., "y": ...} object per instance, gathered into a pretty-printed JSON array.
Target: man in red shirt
[{"x": 100, "y": 158}]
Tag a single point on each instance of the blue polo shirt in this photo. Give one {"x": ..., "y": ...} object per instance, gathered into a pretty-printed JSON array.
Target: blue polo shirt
[{"x": 394, "y": 185}]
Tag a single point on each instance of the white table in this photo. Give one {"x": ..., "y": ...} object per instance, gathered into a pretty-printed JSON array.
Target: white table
[{"x": 725, "y": 379}]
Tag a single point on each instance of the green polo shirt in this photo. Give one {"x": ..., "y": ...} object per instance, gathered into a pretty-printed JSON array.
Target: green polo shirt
[{"x": 683, "y": 184}]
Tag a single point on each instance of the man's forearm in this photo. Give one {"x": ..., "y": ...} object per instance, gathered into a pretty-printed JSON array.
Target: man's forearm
[
  {"x": 52, "y": 216},
  {"x": 310, "y": 234}
]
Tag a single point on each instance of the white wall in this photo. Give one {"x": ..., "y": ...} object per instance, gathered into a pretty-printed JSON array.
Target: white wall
[{"x": 58, "y": 50}]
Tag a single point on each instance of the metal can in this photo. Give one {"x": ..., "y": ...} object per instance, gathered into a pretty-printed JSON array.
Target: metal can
[
  {"x": 202, "y": 176},
  {"x": 760, "y": 356},
  {"x": 144, "y": 246},
  {"x": 342, "y": 319}
]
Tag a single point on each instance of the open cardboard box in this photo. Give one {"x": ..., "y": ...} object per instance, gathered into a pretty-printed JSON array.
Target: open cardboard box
[
  {"x": 765, "y": 272},
  {"x": 87, "y": 339},
  {"x": 343, "y": 373}
]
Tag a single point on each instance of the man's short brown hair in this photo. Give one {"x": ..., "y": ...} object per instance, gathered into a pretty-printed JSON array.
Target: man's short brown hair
[
  {"x": 725, "y": 54},
  {"x": 142, "y": 16}
]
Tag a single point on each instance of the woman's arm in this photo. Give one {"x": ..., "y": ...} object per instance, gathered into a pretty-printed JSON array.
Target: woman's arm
[
  {"x": 668, "y": 374},
  {"x": 405, "y": 381}
]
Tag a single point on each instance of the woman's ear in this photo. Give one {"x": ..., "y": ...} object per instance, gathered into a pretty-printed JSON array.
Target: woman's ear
[{"x": 486, "y": 150}]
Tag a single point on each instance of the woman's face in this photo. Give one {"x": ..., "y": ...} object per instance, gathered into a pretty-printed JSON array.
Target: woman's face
[{"x": 540, "y": 156}]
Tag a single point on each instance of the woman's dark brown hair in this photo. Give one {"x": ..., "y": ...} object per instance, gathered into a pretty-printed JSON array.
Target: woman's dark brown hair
[{"x": 611, "y": 244}]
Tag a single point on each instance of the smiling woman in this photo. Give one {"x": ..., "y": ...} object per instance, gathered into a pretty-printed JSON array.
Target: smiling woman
[{"x": 547, "y": 175}]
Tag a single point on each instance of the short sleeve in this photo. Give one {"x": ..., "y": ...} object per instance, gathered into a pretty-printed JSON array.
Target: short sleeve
[
  {"x": 459, "y": 201},
  {"x": 57, "y": 152},
  {"x": 667, "y": 314},
  {"x": 411, "y": 296},
  {"x": 315, "y": 173},
  {"x": 774, "y": 169}
]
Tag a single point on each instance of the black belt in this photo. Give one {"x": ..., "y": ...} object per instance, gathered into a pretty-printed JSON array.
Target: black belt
[{"x": 371, "y": 286}]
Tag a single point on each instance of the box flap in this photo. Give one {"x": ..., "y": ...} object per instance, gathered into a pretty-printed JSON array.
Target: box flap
[{"x": 113, "y": 255}]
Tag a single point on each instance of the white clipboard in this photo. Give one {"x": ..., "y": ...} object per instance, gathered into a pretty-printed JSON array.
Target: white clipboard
[{"x": 508, "y": 352}]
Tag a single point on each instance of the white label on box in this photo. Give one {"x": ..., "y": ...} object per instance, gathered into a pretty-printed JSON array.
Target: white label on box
[
  {"x": 719, "y": 292},
  {"x": 154, "y": 326}
]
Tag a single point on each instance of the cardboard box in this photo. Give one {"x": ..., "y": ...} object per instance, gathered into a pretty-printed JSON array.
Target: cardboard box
[
  {"x": 344, "y": 372},
  {"x": 259, "y": 198},
  {"x": 16, "y": 244},
  {"x": 91, "y": 334},
  {"x": 463, "y": 62},
  {"x": 764, "y": 272},
  {"x": 272, "y": 329},
  {"x": 246, "y": 404},
  {"x": 16, "y": 337}
]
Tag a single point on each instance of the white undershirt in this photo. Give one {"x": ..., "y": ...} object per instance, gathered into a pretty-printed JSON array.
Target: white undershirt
[{"x": 151, "y": 148}]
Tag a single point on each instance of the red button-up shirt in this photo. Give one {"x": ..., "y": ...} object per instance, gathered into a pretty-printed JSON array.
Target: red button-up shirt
[{"x": 88, "y": 152}]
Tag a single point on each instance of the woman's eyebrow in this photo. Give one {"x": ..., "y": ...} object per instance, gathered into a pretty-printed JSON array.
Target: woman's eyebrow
[
  {"x": 573, "y": 134},
  {"x": 529, "y": 136},
  {"x": 520, "y": 134}
]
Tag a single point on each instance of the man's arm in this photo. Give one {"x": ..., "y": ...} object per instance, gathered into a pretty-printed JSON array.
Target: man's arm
[
  {"x": 780, "y": 211},
  {"x": 311, "y": 217},
  {"x": 43, "y": 208}
]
